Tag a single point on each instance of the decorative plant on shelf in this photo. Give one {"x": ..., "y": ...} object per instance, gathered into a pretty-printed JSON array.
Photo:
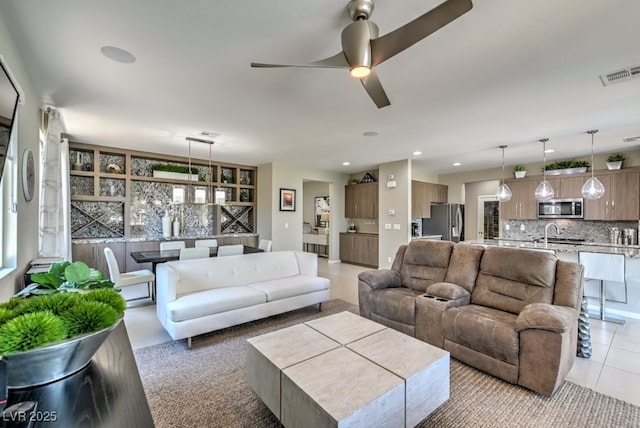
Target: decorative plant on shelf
[
  {"x": 244, "y": 195},
  {"x": 519, "y": 171},
  {"x": 70, "y": 300},
  {"x": 173, "y": 168},
  {"x": 614, "y": 161},
  {"x": 568, "y": 164}
]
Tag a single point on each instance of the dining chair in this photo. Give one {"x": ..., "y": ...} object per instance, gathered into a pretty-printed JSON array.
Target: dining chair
[
  {"x": 194, "y": 253},
  {"x": 265, "y": 245},
  {"x": 128, "y": 278},
  {"x": 172, "y": 245},
  {"x": 230, "y": 250},
  {"x": 209, "y": 243}
]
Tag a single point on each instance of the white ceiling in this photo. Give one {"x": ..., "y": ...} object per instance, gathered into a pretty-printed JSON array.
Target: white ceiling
[{"x": 507, "y": 72}]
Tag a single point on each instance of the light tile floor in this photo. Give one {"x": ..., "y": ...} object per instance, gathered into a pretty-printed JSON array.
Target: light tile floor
[{"x": 613, "y": 368}]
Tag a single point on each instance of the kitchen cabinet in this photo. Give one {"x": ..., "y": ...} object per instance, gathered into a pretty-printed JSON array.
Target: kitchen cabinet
[
  {"x": 423, "y": 195},
  {"x": 523, "y": 204},
  {"x": 93, "y": 255},
  {"x": 359, "y": 249},
  {"x": 620, "y": 200},
  {"x": 361, "y": 200}
]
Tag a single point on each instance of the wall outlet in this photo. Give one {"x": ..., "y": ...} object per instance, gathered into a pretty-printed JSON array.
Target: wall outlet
[
  {"x": 396, "y": 226},
  {"x": 507, "y": 227},
  {"x": 392, "y": 212},
  {"x": 389, "y": 259},
  {"x": 387, "y": 226},
  {"x": 286, "y": 225},
  {"x": 522, "y": 228},
  {"x": 370, "y": 222}
]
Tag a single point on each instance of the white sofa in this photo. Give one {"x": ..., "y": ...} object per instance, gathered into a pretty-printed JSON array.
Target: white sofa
[{"x": 202, "y": 295}]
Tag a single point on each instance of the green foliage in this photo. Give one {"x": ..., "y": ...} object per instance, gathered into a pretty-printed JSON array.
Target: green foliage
[
  {"x": 519, "y": 168},
  {"x": 65, "y": 276},
  {"x": 88, "y": 316},
  {"x": 6, "y": 315},
  {"x": 30, "y": 331},
  {"x": 55, "y": 303},
  {"x": 567, "y": 164},
  {"x": 173, "y": 168},
  {"x": 108, "y": 296},
  {"x": 616, "y": 157},
  {"x": 12, "y": 304}
]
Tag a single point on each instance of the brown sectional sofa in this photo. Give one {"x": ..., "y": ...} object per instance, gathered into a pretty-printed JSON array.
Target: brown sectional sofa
[{"x": 510, "y": 312}]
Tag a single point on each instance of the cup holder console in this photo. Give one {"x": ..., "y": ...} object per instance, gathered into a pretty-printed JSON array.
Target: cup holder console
[{"x": 439, "y": 299}]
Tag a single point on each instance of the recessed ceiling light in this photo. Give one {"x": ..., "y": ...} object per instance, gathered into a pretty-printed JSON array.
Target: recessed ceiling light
[
  {"x": 417, "y": 153},
  {"x": 117, "y": 54},
  {"x": 209, "y": 134},
  {"x": 370, "y": 133},
  {"x": 457, "y": 163},
  {"x": 346, "y": 163}
]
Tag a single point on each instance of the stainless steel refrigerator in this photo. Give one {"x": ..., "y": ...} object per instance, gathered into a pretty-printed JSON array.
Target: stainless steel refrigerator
[{"x": 446, "y": 220}]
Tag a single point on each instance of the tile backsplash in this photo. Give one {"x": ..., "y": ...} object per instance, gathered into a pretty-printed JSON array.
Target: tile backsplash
[{"x": 590, "y": 231}]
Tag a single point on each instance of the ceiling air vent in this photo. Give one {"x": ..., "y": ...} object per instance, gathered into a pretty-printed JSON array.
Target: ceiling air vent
[
  {"x": 620, "y": 75},
  {"x": 631, "y": 139}
]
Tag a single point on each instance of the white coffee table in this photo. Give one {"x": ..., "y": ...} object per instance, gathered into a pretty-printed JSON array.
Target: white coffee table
[{"x": 345, "y": 370}]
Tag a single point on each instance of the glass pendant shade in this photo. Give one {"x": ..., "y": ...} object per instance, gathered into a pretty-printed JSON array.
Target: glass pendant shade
[
  {"x": 592, "y": 188},
  {"x": 544, "y": 191},
  {"x": 503, "y": 193}
]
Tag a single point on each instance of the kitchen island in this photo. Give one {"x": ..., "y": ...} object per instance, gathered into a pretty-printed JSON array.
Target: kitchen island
[{"x": 623, "y": 298}]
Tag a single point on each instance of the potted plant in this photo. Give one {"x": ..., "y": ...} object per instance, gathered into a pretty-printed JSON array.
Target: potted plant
[
  {"x": 519, "y": 171},
  {"x": 53, "y": 327},
  {"x": 614, "y": 161},
  {"x": 244, "y": 195},
  {"x": 176, "y": 172},
  {"x": 567, "y": 167}
]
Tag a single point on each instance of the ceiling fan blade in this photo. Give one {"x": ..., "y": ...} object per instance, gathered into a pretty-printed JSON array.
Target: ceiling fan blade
[
  {"x": 336, "y": 61},
  {"x": 401, "y": 38},
  {"x": 374, "y": 88}
]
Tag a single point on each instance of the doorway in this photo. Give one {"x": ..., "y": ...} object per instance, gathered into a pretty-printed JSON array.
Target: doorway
[{"x": 488, "y": 217}]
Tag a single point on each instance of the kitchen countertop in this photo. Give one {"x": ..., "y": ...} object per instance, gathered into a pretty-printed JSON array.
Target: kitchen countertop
[
  {"x": 158, "y": 238},
  {"x": 594, "y": 247}
]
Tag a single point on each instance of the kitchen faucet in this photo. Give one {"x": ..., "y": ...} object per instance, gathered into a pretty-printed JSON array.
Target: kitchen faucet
[{"x": 546, "y": 232}]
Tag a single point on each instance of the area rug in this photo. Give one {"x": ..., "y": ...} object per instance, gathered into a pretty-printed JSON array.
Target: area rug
[{"x": 206, "y": 387}]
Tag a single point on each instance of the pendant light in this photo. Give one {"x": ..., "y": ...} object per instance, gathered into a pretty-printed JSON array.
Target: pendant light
[
  {"x": 544, "y": 191},
  {"x": 503, "y": 193},
  {"x": 592, "y": 188}
]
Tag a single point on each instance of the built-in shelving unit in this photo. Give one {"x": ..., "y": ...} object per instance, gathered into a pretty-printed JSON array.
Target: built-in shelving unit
[{"x": 114, "y": 194}]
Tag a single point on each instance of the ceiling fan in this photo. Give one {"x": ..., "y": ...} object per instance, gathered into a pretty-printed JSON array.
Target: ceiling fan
[{"x": 362, "y": 49}]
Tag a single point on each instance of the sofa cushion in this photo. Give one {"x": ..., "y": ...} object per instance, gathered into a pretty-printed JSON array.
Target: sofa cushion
[
  {"x": 464, "y": 265},
  {"x": 488, "y": 331},
  {"x": 510, "y": 278},
  {"x": 292, "y": 286},
  {"x": 425, "y": 262},
  {"x": 216, "y": 300},
  {"x": 397, "y": 304}
]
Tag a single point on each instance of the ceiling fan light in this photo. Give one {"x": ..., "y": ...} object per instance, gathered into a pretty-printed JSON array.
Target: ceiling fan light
[
  {"x": 503, "y": 193},
  {"x": 592, "y": 189},
  {"x": 360, "y": 72},
  {"x": 544, "y": 191}
]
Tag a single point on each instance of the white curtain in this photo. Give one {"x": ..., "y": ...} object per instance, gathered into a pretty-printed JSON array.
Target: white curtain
[{"x": 55, "y": 224}]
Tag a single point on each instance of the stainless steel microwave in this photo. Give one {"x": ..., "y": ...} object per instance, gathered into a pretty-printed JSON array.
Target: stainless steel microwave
[{"x": 561, "y": 208}]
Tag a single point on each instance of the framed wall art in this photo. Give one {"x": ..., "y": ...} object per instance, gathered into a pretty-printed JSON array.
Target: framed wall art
[
  {"x": 321, "y": 211},
  {"x": 287, "y": 199}
]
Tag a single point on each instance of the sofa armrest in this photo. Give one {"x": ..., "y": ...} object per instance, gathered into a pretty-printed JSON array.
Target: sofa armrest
[
  {"x": 308, "y": 263},
  {"x": 450, "y": 291},
  {"x": 544, "y": 316},
  {"x": 381, "y": 278},
  {"x": 166, "y": 279}
]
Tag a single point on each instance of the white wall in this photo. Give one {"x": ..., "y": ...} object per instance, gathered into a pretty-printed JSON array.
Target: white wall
[
  {"x": 286, "y": 226},
  {"x": 397, "y": 199},
  {"x": 28, "y": 139}
]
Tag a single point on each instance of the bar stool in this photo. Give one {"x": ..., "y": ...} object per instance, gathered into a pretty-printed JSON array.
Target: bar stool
[{"x": 604, "y": 267}]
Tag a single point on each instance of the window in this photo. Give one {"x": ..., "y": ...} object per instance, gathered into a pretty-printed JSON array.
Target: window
[{"x": 8, "y": 208}]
